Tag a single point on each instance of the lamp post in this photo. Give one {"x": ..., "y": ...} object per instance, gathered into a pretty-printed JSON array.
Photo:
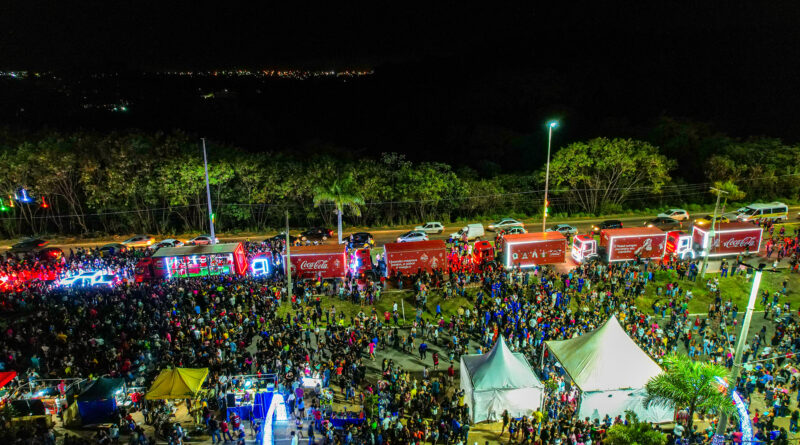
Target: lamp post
[
  {"x": 737, "y": 357},
  {"x": 550, "y": 126},
  {"x": 208, "y": 196}
]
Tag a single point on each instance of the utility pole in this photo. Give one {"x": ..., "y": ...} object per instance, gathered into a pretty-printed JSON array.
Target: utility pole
[
  {"x": 737, "y": 358},
  {"x": 709, "y": 240},
  {"x": 208, "y": 196},
  {"x": 288, "y": 260}
]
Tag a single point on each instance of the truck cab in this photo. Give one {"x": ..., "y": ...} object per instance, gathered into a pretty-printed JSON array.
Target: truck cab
[
  {"x": 360, "y": 263},
  {"x": 584, "y": 247},
  {"x": 679, "y": 244},
  {"x": 144, "y": 270},
  {"x": 482, "y": 253}
]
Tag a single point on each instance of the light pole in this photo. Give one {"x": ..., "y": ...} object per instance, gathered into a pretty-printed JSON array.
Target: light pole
[
  {"x": 288, "y": 260},
  {"x": 737, "y": 357},
  {"x": 550, "y": 126},
  {"x": 208, "y": 196}
]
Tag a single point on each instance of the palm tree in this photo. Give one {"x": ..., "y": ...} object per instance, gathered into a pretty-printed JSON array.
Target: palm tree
[
  {"x": 342, "y": 192},
  {"x": 690, "y": 384},
  {"x": 635, "y": 432}
]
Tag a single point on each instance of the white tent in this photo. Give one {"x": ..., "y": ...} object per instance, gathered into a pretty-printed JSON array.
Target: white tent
[
  {"x": 499, "y": 380},
  {"x": 611, "y": 371}
]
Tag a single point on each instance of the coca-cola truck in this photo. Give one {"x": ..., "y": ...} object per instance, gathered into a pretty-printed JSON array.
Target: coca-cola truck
[
  {"x": 329, "y": 261},
  {"x": 410, "y": 257},
  {"x": 526, "y": 250},
  {"x": 729, "y": 239},
  {"x": 644, "y": 243}
]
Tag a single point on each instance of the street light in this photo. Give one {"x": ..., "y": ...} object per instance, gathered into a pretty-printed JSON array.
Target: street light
[
  {"x": 208, "y": 196},
  {"x": 737, "y": 357},
  {"x": 550, "y": 126}
]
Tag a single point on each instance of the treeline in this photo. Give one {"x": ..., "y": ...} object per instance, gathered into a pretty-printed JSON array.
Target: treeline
[{"x": 88, "y": 183}]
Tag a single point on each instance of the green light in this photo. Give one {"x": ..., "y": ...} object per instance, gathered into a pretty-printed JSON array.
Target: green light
[
  {"x": 3, "y": 207},
  {"x": 552, "y": 124}
]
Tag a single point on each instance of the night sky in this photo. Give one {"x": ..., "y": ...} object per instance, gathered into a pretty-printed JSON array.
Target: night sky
[{"x": 606, "y": 68}]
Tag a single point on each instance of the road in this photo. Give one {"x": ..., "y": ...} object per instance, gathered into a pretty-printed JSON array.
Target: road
[{"x": 384, "y": 236}]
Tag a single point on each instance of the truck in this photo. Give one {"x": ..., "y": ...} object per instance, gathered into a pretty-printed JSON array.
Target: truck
[
  {"x": 328, "y": 262},
  {"x": 729, "y": 239},
  {"x": 192, "y": 261},
  {"x": 526, "y": 250},
  {"x": 621, "y": 245},
  {"x": 410, "y": 257}
]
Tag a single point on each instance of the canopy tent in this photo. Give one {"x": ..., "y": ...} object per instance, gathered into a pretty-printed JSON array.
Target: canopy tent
[
  {"x": 6, "y": 377},
  {"x": 499, "y": 380},
  {"x": 178, "y": 383},
  {"x": 98, "y": 402},
  {"x": 611, "y": 371}
]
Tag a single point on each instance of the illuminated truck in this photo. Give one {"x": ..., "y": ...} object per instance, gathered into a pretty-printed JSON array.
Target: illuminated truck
[
  {"x": 730, "y": 239},
  {"x": 410, "y": 257},
  {"x": 644, "y": 243},
  {"x": 192, "y": 261},
  {"x": 329, "y": 261},
  {"x": 525, "y": 250}
]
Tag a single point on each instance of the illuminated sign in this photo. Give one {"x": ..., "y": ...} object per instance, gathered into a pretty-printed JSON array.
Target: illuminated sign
[
  {"x": 89, "y": 279},
  {"x": 745, "y": 424},
  {"x": 260, "y": 267}
]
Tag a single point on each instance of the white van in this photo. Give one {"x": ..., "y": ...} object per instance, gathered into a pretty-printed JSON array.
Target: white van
[
  {"x": 772, "y": 211},
  {"x": 473, "y": 231}
]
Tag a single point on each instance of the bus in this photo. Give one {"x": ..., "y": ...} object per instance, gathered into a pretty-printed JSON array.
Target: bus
[{"x": 772, "y": 211}]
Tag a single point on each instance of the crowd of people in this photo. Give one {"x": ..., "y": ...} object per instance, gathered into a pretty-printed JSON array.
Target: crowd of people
[{"x": 235, "y": 326}]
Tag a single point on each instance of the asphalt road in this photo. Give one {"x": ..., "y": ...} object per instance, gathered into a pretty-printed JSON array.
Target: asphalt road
[{"x": 384, "y": 236}]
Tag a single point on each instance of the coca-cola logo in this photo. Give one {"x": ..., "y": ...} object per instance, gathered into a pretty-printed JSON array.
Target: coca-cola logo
[
  {"x": 316, "y": 265},
  {"x": 749, "y": 241}
]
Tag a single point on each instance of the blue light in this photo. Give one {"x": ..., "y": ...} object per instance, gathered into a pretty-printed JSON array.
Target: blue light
[
  {"x": 259, "y": 266},
  {"x": 745, "y": 424}
]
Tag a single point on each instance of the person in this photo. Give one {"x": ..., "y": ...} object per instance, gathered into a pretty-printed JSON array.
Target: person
[
  {"x": 226, "y": 434},
  {"x": 294, "y": 439},
  {"x": 506, "y": 420},
  {"x": 213, "y": 429}
]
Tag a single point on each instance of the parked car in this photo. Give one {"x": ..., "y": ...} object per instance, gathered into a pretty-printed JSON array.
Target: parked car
[
  {"x": 50, "y": 254},
  {"x": 316, "y": 233},
  {"x": 430, "y": 227},
  {"x": 202, "y": 240},
  {"x": 360, "y": 239},
  {"x": 473, "y": 231},
  {"x": 564, "y": 229},
  {"x": 412, "y": 236},
  {"x": 514, "y": 231},
  {"x": 281, "y": 237},
  {"x": 28, "y": 245},
  {"x": 608, "y": 224},
  {"x": 706, "y": 220},
  {"x": 169, "y": 242},
  {"x": 664, "y": 223},
  {"x": 112, "y": 249},
  {"x": 504, "y": 223},
  {"x": 139, "y": 241},
  {"x": 676, "y": 214}
]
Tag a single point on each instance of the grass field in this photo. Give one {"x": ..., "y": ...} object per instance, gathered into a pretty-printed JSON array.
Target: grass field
[{"x": 736, "y": 288}]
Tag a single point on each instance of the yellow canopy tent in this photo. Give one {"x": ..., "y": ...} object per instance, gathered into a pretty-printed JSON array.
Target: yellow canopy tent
[{"x": 178, "y": 383}]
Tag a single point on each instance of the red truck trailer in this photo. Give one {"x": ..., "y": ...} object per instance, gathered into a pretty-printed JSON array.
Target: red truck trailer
[
  {"x": 409, "y": 257},
  {"x": 621, "y": 245},
  {"x": 192, "y": 261},
  {"x": 729, "y": 239},
  {"x": 531, "y": 249},
  {"x": 632, "y": 243},
  {"x": 328, "y": 262}
]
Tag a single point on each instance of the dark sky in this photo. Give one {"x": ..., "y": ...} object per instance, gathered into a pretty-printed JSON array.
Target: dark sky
[{"x": 153, "y": 34}]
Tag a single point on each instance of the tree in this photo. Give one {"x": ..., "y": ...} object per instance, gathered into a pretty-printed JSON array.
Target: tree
[
  {"x": 634, "y": 433},
  {"x": 342, "y": 192},
  {"x": 689, "y": 384},
  {"x": 603, "y": 173}
]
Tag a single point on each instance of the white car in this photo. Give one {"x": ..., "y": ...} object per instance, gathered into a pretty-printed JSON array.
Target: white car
[
  {"x": 676, "y": 214},
  {"x": 202, "y": 240},
  {"x": 505, "y": 223},
  {"x": 169, "y": 242},
  {"x": 430, "y": 227},
  {"x": 412, "y": 236},
  {"x": 564, "y": 229}
]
